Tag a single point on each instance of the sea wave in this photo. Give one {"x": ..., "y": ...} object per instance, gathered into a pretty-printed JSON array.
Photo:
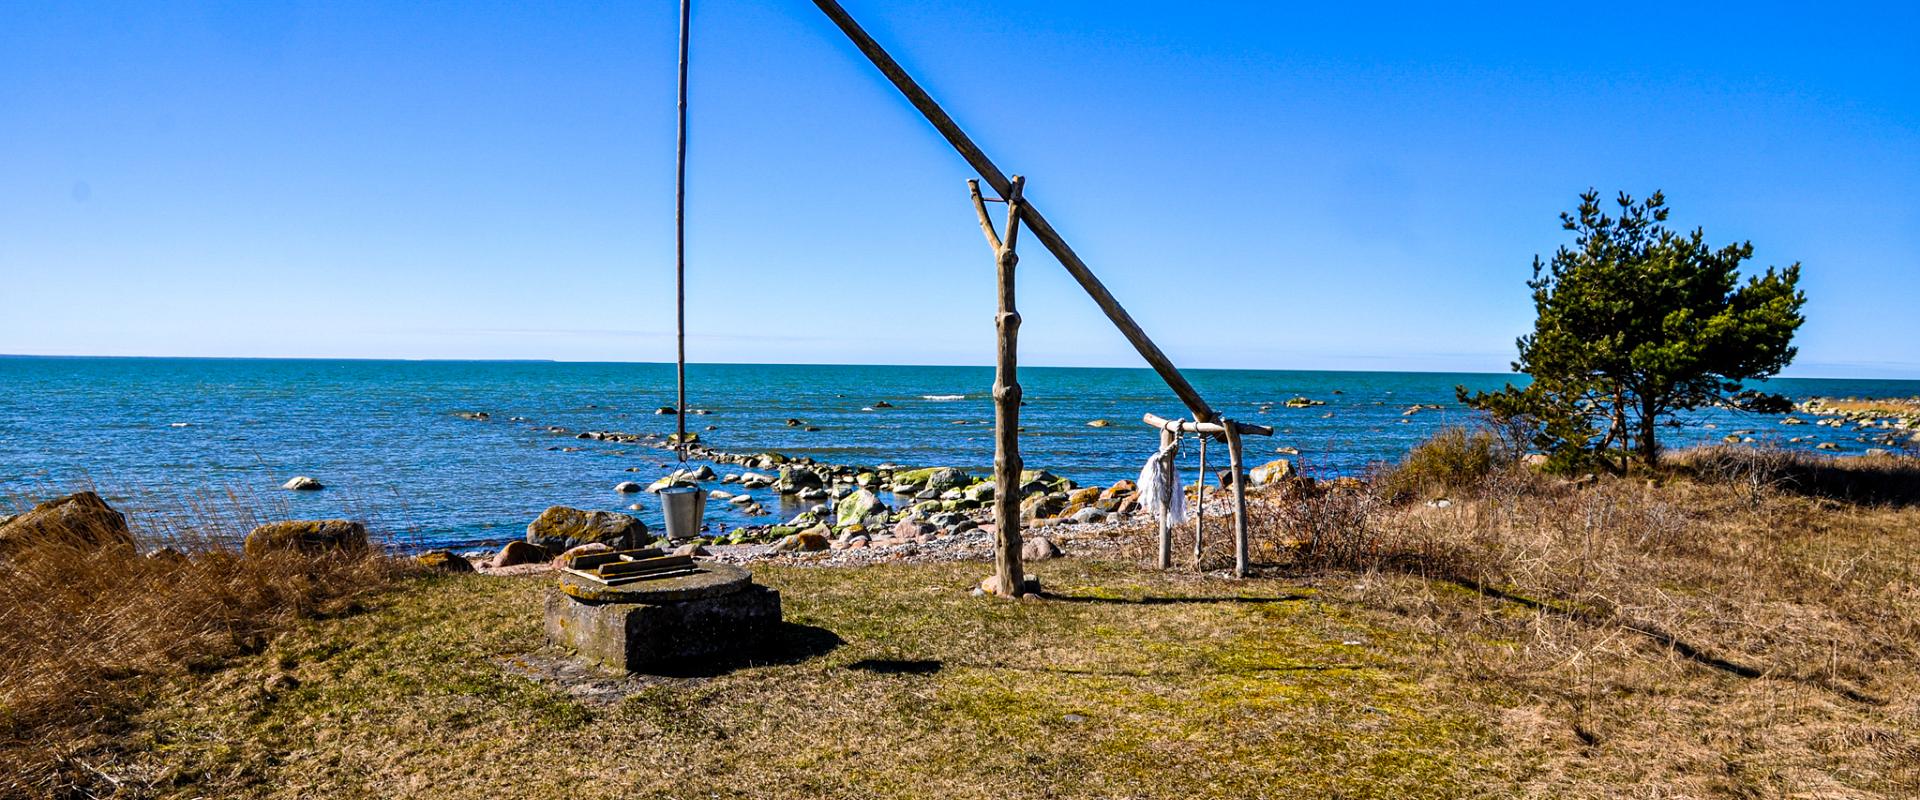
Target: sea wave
[{"x": 943, "y": 397}]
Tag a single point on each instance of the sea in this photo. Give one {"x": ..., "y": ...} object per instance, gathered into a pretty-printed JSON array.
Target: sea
[{"x": 397, "y": 445}]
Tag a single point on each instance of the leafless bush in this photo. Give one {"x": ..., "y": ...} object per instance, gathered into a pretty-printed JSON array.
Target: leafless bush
[{"x": 1340, "y": 525}]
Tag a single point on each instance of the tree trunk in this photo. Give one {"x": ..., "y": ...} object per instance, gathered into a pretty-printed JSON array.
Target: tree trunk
[
  {"x": 1649, "y": 446},
  {"x": 1619, "y": 433}
]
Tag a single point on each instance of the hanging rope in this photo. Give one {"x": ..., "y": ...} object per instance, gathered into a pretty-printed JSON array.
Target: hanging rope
[
  {"x": 680, "y": 247},
  {"x": 1161, "y": 494}
]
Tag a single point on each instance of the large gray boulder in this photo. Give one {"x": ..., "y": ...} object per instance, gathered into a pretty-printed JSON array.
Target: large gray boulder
[
  {"x": 948, "y": 478},
  {"x": 559, "y": 529}
]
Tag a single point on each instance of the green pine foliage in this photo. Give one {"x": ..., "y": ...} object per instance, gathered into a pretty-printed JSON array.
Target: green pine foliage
[{"x": 1635, "y": 322}]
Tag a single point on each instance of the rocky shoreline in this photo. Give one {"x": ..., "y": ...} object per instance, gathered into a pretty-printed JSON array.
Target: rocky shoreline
[{"x": 937, "y": 513}]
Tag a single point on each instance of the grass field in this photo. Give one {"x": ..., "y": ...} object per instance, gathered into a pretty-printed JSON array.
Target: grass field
[{"x": 1683, "y": 637}]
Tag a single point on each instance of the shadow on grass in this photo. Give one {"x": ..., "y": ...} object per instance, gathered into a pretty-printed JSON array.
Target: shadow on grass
[
  {"x": 790, "y": 643},
  {"x": 1174, "y": 600},
  {"x": 898, "y": 666},
  {"x": 1892, "y": 479}
]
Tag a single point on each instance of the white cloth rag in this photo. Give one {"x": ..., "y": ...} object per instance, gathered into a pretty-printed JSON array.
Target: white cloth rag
[{"x": 1160, "y": 491}]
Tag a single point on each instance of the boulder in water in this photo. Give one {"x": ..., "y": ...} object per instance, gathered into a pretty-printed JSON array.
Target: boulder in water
[
  {"x": 858, "y": 506},
  {"x": 302, "y": 483}
]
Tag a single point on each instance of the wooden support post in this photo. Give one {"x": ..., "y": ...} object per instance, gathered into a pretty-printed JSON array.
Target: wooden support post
[
  {"x": 1238, "y": 465},
  {"x": 1043, "y": 231},
  {"x": 1009, "y": 579},
  {"x": 1200, "y": 502}
]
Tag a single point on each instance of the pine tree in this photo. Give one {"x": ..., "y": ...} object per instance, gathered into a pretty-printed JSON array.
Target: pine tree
[{"x": 1636, "y": 322}]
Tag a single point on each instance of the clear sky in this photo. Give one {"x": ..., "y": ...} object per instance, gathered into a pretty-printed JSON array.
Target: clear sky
[{"x": 1264, "y": 185}]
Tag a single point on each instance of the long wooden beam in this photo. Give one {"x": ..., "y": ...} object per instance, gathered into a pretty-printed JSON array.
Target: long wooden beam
[
  {"x": 1036, "y": 223},
  {"x": 1216, "y": 430}
]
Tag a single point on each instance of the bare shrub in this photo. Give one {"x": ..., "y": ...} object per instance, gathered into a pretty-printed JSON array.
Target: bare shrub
[
  {"x": 84, "y": 629},
  {"x": 1339, "y": 525}
]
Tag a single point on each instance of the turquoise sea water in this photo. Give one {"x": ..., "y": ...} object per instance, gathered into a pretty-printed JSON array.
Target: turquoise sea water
[{"x": 386, "y": 438}]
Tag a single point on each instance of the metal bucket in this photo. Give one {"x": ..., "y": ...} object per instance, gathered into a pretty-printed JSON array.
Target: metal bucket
[{"x": 685, "y": 508}]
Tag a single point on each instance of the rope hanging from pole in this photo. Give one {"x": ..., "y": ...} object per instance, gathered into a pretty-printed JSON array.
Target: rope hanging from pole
[{"x": 680, "y": 248}]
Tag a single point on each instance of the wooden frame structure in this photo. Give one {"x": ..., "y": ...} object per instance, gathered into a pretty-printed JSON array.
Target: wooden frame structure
[{"x": 1008, "y": 580}]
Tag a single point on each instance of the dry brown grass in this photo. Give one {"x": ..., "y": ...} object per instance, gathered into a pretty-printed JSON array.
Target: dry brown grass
[
  {"x": 1730, "y": 629},
  {"x": 87, "y": 632}
]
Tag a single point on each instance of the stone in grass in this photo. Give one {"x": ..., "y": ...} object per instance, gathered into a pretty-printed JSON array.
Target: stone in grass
[
  {"x": 302, "y": 483},
  {"x": 516, "y": 553},
  {"x": 310, "y": 536},
  {"x": 81, "y": 519},
  {"x": 560, "y": 528},
  {"x": 1039, "y": 548},
  {"x": 443, "y": 561}
]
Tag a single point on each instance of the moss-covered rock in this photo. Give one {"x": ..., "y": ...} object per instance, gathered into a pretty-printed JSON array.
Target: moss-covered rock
[
  {"x": 1042, "y": 506},
  {"x": 858, "y": 506},
  {"x": 310, "y": 536},
  {"x": 914, "y": 477},
  {"x": 81, "y": 519},
  {"x": 559, "y": 529}
]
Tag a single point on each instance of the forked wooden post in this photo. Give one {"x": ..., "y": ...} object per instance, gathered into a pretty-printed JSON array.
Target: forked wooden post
[
  {"x": 1009, "y": 579},
  {"x": 1238, "y": 466}
]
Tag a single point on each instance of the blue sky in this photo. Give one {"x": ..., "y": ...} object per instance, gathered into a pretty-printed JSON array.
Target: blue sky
[{"x": 1264, "y": 185}]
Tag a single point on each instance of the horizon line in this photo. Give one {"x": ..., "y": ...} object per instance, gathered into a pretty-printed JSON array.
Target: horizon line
[{"x": 398, "y": 359}]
